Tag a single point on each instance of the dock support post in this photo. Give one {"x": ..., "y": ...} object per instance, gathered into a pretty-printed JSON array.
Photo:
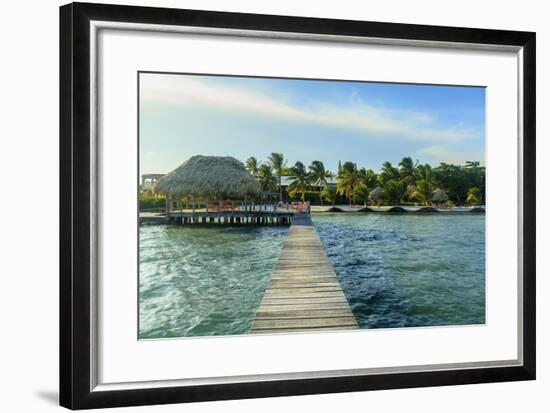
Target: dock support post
[{"x": 167, "y": 207}]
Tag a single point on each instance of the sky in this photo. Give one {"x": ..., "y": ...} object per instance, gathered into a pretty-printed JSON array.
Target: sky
[{"x": 364, "y": 122}]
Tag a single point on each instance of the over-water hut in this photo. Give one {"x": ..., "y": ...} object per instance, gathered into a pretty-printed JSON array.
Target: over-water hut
[{"x": 215, "y": 181}]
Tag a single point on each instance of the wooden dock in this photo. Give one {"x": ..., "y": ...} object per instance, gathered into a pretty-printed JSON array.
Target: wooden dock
[
  {"x": 235, "y": 217},
  {"x": 303, "y": 293}
]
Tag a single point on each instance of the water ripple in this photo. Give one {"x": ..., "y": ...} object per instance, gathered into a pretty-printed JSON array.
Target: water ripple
[
  {"x": 401, "y": 271},
  {"x": 203, "y": 281}
]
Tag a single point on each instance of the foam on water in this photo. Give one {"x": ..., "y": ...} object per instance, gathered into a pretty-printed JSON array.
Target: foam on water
[{"x": 203, "y": 280}]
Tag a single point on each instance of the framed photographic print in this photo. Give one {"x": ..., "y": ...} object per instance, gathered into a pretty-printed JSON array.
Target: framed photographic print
[{"x": 256, "y": 206}]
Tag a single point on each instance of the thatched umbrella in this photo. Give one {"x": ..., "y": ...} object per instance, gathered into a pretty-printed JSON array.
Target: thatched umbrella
[
  {"x": 439, "y": 195},
  {"x": 209, "y": 177},
  {"x": 376, "y": 194}
]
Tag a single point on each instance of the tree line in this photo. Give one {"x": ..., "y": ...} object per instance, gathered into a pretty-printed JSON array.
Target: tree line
[{"x": 407, "y": 182}]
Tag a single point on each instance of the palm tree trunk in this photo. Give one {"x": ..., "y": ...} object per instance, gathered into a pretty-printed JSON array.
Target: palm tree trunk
[{"x": 280, "y": 190}]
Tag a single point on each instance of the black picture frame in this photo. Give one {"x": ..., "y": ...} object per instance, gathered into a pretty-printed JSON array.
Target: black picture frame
[{"x": 75, "y": 219}]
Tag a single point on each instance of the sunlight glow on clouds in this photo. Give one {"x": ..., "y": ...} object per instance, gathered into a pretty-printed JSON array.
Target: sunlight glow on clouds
[
  {"x": 356, "y": 114},
  {"x": 332, "y": 121}
]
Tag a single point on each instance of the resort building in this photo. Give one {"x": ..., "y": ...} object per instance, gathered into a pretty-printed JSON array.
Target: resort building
[
  {"x": 148, "y": 181},
  {"x": 287, "y": 180}
]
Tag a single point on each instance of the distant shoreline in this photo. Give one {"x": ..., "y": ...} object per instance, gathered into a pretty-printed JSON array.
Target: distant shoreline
[{"x": 396, "y": 208}]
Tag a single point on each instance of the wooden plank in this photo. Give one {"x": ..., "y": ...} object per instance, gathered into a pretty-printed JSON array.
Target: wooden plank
[
  {"x": 301, "y": 330},
  {"x": 300, "y": 299},
  {"x": 304, "y": 306},
  {"x": 293, "y": 313},
  {"x": 273, "y": 323},
  {"x": 282, "y": 283},
  {"x": 306, "y": 280},
  {"x": 304, "y": 293}
]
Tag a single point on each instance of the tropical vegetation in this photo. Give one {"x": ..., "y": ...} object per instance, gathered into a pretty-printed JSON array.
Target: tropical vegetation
[{"x": 408, "y": 182}]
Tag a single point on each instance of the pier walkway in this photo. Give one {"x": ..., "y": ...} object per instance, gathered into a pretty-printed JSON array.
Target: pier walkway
[
  {"x": 235, "y": 217},
  {"x": 303, "y": 293}
]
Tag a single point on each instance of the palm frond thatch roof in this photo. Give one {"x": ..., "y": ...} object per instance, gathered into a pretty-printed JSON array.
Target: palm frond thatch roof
[
  {"x": 221, "y": 177},
  {"x": 439, "y": 195},
  {"x": 376, "y": 194}
]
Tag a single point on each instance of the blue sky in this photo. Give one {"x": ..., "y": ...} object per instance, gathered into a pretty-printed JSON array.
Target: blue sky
[{"x": 306, "y": 120}]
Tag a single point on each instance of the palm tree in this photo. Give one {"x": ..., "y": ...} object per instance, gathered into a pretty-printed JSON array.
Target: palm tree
[
  {"x": 362, "y": 193},
  {"x": 423, "y": 191},
  {"x": 278, "y": 163},
  {"x": 300, "y": 180},
  {"x": 387, "y": 173},
  {"x": 348, "y": 179},
  {"x": 424, "y": 172},
  {"x": 252, "y": 165},
  {"x": 394, "y": 191},
  {"x": 474, "y": 196},
  {"x": 266, "y": 178},
  {"x": 319, "y": 176},
  {"x": 330, "y": 193},
  {"x": 407, "y": 169},
  {"x": 370, "y": 178}
]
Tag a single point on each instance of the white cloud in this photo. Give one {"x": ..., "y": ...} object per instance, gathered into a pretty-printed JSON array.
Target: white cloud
[
  {"x": 355, "y": 115},
  {"x": 442, "y": 153}
]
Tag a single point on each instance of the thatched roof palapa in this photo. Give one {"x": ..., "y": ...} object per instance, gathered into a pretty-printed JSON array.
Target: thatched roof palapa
[
  {"x": 439, "y": 195},
  {"x": 221, "y": 177},
  {"x": 376, "y": 194}
]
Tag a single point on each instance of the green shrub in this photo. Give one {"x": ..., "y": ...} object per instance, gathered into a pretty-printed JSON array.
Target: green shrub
[{"x": 149, "y": 201}]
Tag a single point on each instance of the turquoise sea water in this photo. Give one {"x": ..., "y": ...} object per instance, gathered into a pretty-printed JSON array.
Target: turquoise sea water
[
  {"x": 410, "y": 269},
  {"x": 197, "y": 281},
  {"x": 396, "y": 271}
]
